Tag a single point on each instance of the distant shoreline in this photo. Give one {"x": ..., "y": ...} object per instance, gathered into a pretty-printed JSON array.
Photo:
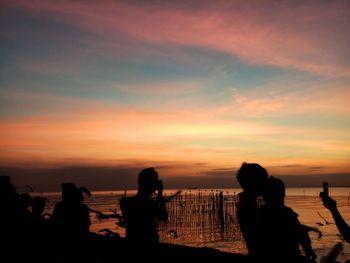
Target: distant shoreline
[{"x": 290, "y": 191}]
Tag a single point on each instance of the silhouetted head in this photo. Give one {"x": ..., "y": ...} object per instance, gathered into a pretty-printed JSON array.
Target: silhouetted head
[
  {"x": 5, "y": 180},
  {"x": 38, "y": 204},
  {"x": 251, "y": 177},
  {"x": 70, "y": 192},
  {"x": 274, "y": 191},
  {"x": 148, "y": 180},
  {"x": 6, "y": 187}
]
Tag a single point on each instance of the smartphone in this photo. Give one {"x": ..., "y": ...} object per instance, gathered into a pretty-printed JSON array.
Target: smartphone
[{"x": 325, "y": 188}]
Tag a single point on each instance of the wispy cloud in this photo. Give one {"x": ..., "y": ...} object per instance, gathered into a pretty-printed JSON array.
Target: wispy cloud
[
  {"x": 307, "y": 99},
  {"x": 283, "y": 35},
  {"x": 159, "y": 88}
]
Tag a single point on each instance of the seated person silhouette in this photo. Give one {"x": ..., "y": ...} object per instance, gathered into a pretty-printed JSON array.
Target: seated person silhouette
[
  {"x": 251, "y": 177},
  {"x": 342, "y": 226},
  {"x": 279, "y": 230},
  {"x": 141, "y": 211}
]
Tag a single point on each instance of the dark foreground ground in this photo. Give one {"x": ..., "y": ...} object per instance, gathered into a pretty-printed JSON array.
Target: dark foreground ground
[{"x": 108, "y": 250}]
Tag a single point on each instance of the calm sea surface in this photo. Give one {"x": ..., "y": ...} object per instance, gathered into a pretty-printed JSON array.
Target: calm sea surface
[{"x": 304, "y": 201}]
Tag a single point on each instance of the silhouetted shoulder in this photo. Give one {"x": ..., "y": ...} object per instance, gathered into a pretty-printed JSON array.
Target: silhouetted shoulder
[
  {"x": 127, "y": 200},
  {"x": 126, "y": 203},
  {"x": 59, "y": 205},
  {"x": 289, "y": 211}
]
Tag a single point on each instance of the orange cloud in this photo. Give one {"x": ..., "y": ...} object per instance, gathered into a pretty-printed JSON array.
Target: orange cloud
[{"x": 115, "y": 136}]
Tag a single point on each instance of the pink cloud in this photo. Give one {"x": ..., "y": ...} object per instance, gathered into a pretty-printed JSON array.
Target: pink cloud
[
  {"x": 306, "y": 37},
  {"x": 328, "y": 99}
]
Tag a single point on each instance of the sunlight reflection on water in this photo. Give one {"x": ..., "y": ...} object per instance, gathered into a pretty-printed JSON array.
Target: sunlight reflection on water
[{"x": 304, "y": 201}]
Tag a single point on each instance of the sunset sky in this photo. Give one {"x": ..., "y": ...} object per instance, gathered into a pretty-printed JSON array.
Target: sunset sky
[{"x": 193, "y": 88}]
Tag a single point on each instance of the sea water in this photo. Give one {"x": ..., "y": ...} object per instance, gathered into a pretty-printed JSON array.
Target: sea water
[{"x": 304, "y": 201}]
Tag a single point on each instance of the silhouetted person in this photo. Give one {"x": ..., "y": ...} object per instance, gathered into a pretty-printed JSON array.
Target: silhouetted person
[
  {"x": 280, "y": 231},
  {"x": 141, "y": 211},
  {"x": 14, "y": 222},
  {"x": 38, "y": 221},
  {"x": 9, "y": 208},
  {"x": 342, "y": 226},
  {"x": 38, "y": 232},
  {"x": 71, "y": 218},
  {"x": 251, "y": 177},
  {"x": 24, "y": 229},
  {"x": 25, "y": 201},
  {"x": 9, "y": 212},
  {"x": 71, "y": 222}
]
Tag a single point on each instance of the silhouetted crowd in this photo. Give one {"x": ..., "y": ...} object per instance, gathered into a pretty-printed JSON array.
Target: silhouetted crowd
[
  {"x": 271, "y": 230},
  {"x": 29, "y": 235}
]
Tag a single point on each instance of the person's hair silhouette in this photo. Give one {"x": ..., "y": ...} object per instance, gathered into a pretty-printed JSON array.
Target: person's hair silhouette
[
  {"x": 141, "y": 211},
  {"x": 274, "y": 192},
  {"x": 251, "y": 177}
]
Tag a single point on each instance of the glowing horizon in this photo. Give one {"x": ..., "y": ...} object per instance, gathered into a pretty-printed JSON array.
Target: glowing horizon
[{"x": 196, "y": 86}]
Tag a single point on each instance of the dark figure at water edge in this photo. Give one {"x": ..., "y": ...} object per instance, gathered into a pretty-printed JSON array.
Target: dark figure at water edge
[
  {"x": 141, "y": 211},
  {"x": 251, "y": 177},
  {"x": 9, "y": 218},
  {"x": 140, "y": 214},
  {"x": 70, "y": 223},
  {"x": 16, "y": 235},
  {"x": 37, "y": 216},
  {"x": 279, "y": 230},
  {"x": 38, "y": 229},
  {"x": 71, "y": 217},
  {"x": 342, "y": 226}
]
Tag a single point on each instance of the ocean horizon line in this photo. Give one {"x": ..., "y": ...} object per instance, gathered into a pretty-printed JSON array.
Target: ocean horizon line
[{"x": 290, "y": 191}]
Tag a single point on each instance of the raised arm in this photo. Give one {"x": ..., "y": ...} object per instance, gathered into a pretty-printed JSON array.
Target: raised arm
[
  {"x": 342, "y": 226},
  {"x": 162, "y": 212}
]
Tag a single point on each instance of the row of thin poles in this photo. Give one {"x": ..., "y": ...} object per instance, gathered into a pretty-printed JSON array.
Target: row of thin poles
[{"x": 202, "y": 214}]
